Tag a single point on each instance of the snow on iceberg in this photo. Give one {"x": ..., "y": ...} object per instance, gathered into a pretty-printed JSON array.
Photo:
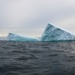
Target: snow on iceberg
[
  {"x": 16, "y": 37},
  {"x": 53, "y": 33}
]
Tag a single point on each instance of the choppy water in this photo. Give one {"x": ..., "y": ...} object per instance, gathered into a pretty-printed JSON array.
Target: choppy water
[{"x": 37, "y": 58}]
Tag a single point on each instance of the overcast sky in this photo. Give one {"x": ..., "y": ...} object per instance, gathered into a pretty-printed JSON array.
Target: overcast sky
[{"x": 30, "y": 17}]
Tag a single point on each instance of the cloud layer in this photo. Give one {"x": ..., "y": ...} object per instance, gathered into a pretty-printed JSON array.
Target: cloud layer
[{"x": 30, "y": 17}]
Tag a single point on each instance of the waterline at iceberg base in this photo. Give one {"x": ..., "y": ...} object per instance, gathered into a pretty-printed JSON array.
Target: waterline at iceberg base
[{"x": 51, "y": 33}]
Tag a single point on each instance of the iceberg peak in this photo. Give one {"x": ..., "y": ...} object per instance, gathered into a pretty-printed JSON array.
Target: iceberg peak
[{"x": 53, "y": 33}]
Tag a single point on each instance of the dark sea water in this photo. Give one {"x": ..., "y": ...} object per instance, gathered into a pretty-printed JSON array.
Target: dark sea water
[{"x": 37, "y": 58}]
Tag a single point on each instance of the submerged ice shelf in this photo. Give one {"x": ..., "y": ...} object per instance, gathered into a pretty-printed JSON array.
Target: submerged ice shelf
[{"x": 51, "y": 33}]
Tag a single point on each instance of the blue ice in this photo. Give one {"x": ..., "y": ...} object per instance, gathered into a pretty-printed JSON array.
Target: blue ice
[
  {"x": 16, "y": 37},
  {"x": 53, "y": 33}
]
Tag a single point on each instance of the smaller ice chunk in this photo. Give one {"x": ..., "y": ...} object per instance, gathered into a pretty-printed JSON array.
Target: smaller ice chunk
[{"x": 16, "y": 37}]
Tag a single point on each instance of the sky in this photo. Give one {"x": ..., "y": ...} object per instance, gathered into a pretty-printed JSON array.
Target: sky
[{"x": 30, "y": 17}]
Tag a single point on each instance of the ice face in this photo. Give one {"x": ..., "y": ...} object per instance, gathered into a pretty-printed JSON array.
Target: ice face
[
  {"x": 53, "y": 33},
  {"x": 16, "y": 37}
]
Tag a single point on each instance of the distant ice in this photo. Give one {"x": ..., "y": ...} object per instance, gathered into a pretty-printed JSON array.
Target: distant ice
[{"x": 3, "y": 38}]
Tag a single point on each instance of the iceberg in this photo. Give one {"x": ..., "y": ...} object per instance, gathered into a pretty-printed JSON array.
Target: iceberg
[
  {"x": 16, "y": 37},
  {"x": 53, "y": 33}
]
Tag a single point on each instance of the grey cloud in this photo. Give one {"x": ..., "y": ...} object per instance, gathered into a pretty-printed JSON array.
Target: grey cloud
[{"x": 30, "y": 16}]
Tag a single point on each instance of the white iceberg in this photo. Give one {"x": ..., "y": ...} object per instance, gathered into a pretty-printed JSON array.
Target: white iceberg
[
  {"x": 16, "y": 37},
  {"x": 53, "y": 33}
]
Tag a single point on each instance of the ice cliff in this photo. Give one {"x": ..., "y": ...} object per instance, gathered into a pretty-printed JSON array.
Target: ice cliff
[
  {"x": 53, "y": 33},
  {"x": 16, "y": 37}
]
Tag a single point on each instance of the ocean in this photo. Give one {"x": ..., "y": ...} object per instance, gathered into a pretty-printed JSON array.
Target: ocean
[{"x": 37, "y": 58}]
